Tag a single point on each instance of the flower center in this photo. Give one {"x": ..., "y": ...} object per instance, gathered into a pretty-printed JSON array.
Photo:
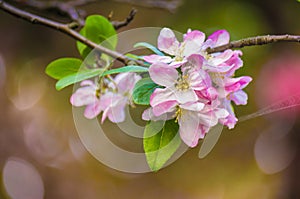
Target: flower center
[{"x": 182, "y": 83}]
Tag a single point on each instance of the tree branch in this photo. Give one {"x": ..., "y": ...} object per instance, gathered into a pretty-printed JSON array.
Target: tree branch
[
  {"x": 68, "y": 29},
  {"x": 67, "y": 8},
  {"x": 255, "y": 41},
  {"x": 64, "y": 28},
  {"x": 125, "y": 22}
]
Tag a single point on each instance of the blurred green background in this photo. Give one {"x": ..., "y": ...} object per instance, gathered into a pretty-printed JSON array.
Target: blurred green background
[{"x": 257, "y": 159}]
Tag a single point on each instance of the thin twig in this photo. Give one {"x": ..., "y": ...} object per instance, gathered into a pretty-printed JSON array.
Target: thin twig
[
  {"x": 65, "y": 28},
  {"x": 254, "y": 41},
  {"x": 125, "y": 22},
  {"x": 67, "y": 8}
]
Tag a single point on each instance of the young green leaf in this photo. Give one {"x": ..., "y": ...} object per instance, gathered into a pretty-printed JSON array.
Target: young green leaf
[
  {"x": 63, "y": 67},
  {"x": 97, "y": 29},
  {"x": 143, "y": 90},
  {"x": 149, "y": 46},
  {"x": 77, "y": 77},
  {"x": 136, "y": 69},
  {"x": 160, "y": 142}
]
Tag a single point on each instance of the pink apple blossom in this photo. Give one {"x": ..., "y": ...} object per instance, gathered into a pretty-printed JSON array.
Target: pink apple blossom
[
  {"x": 111, "y": 99},
  {"x": 168, "y": 43},
  {"x": 177, "y": 87},
  {"x": 197, "y": 88}
]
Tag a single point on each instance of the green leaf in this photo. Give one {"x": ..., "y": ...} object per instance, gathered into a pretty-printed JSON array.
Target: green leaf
[
  {"x": 149, "y": 46},
  {"x": 63, "y": 67},
  {"x": 143, "y": 90},
  {"x": 97, "y": 29},
  {"x": 160, "y": 142},
  {"x": 136, "y": 69},
  {"x": 77, "y": 77}
]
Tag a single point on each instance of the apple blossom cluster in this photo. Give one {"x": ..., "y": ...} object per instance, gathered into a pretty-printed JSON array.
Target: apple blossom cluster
[
  {"x": 197, "y": 88},
  {"x": 194, "y": 88},
  {"x": 110, "y": 96}
]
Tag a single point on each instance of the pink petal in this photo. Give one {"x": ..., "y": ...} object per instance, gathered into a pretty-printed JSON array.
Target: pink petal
[
  {"x": 221, "y": 113},
  {"x": 163, "y": 75},
  {"x": 219, "y": 38},
  {"x": 203, "y": 131},
  {"x": 165, "y": 107},
  {"x": 196, "y": 61},
  {"x": 208, "y": 94},
  {"x": 239, "y": 97},
  {"x": 161, "y": 95},
  {"x": 92, "y": 110},
  {"x": 148, "y": 114},
  {"x": 83, "y": 96},
  {"x": 199, "y": 79},
  {"x": 220, "y": 58},
  {"x": 235, "y": 61},
  {"x": 157, "y": 58},
  {"x": 176, "y": 64},
  {"x": 229, "y": 121},
  {"x": 189, "y": 128},
  {"x": 117, "y": 113},
  {"x": 235, "y": 84},
  {"x": 167, "y": 41},
  {"x": 126, "y": 81},
  {"x": 109, "y": 99},
  {"x": 193, "y": 42}
]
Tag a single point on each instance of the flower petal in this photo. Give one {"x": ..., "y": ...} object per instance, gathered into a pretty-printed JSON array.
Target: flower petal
[
  {"x": 161, "y": 95},
  {"x": 157, "y": 58},
  {"x": 239, "y": 97},
  {"x": 193, "y": 41},
  {"x": 176, "y": 64},
  {"x": 167, "y": 41},
  {"x": 126, "y": 81},
  {"x": 117, "y": 113},
  {"x": 184, "y": 96},
  {"x": 235, "y": 84},
  {"x": 219, "y": 38},
  {"x": 192, "y": 106},
  {"x": 148, "y": 115},
  {"x": 92, "y": 110},
  {"x": 83, "y": 96},
  {"x": 165, "y": 107},
  {"x": 219, "y": 58},
  {"x": 189, "y": 128},
  {"x": 163, "y": 75},
  {"x": 199, "y": 79},
  {"x": 235, "y": 61},
  {"x": 196, "y": 61}
]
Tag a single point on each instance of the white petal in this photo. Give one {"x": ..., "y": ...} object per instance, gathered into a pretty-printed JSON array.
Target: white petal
[
  {"x": 189, "y": 128},
  {"x": 167, "y": 41},
  {"x": 185, "y": 96}
]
